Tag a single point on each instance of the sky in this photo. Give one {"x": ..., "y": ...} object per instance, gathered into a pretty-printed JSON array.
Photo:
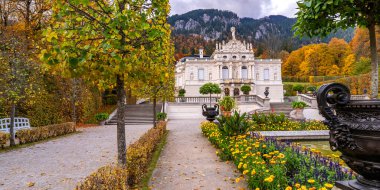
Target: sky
[{"x": 243, "y": 8}]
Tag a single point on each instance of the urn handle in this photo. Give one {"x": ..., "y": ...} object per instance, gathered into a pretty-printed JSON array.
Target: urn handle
[
  {"x": 216, "y": 106},
  {"x": 204, "y": 107}
]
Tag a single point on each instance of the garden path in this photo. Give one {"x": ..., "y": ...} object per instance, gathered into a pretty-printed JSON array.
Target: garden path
[
  {"x": 62, "y": 163},
  {"x": 188, "y": 160}
]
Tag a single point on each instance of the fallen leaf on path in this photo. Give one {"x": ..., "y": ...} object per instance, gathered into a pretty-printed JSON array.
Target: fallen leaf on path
[{"x": 31, "y": 184}]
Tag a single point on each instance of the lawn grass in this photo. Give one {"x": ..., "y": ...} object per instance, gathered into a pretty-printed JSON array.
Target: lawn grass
[
  {"x": 144, "y": 184},
  {"x": 19, "y": 146}
]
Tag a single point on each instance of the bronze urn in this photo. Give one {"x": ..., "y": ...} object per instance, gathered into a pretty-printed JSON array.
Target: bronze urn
[
  {"x": 210, "y": 112},
  {"x": 354, "y": 131}
]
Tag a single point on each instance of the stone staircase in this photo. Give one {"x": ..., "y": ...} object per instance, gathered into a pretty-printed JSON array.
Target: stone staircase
[
  {"x": 140, "y": 114},
  {"x": 279, "y": 108}
]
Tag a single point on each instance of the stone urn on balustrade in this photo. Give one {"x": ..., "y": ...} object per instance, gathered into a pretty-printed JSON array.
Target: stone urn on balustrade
[{"x": 355, "y": 132}]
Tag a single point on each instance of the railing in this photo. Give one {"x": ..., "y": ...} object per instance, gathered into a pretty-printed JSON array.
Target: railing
[
  {"x": 245, "y": 98},
  {"x": 309, "y": 100},
  {"x": 240, "y": 81},
  {"x": 19, "y": 123},
  {"x": 263, "y": 102},
  {"x": 196, "y": 99}
]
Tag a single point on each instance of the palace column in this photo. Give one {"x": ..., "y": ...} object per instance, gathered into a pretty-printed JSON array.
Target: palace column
[{"x": 230, "y": 76}]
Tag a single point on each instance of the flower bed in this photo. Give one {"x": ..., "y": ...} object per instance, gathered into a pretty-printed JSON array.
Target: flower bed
[
  {"x": 275, "y": 122},
  {"x": 269, "y": 164},
  {"x": 139, "y": 155},
  {"x": 42, "y": 133}
]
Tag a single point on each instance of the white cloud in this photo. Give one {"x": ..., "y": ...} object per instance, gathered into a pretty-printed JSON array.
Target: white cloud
[{"x": 244, "y": 8}]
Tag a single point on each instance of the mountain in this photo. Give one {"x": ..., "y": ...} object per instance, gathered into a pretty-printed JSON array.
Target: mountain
[{"x": 269, "y": 35}]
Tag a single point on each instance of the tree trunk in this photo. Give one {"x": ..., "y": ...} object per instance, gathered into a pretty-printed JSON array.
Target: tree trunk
[
  {"x": 374, "y": 63},
  {"x": 154, "y": 112},
  {"x": 121, "y": 145},
  {"x": 11, "y": 127},
  {"x": 163, "y": 106}
]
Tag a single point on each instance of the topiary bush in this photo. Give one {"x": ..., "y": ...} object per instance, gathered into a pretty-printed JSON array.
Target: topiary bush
[
  {"x": 246, "y": 89},
  {"x": 299, "y": 88},
  {"x": 181, "y": 92}
]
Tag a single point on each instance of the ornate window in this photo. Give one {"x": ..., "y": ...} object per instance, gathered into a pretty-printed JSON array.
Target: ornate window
[
  {"x": 244, "y": 72},
  {"x": 201, "y": 74},
  {"x": 225, "y": 72},
  {"x": 266, "y": 74},
  {"x": 225, "y": 57},
  {"x": 234, "y": 57},
  {"x": 243, "y": 57}
]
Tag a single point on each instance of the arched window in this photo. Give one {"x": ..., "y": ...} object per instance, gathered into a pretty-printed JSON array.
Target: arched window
[
  {"x": 225, "y": 57},
  {"x": 210, "y": 76},
  {"x": 225, "y": 72},
  {"x": 275, "y": 76},
  {"x": 234, "y": 57},
  {"x": 243, "y": 57},
  {"x": 244, "y": 72},
  {"x": 191, "y": 76}
]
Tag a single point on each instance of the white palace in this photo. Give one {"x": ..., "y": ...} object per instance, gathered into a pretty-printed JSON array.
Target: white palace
[{"x": 232, "y": 65}]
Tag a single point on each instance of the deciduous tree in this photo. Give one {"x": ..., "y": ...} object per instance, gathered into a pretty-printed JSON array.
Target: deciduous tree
[
  {"x": 103, "y": 41},
  {"x": 320, "y": 17}
]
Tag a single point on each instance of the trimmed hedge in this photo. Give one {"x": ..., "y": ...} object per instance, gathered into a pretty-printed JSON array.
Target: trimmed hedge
[
  {"x": 42, "y": 133},
  {"x": 4, "y": 137},
  {"x": 139, "y": 155},
  {"x": 106, "y": 178}
]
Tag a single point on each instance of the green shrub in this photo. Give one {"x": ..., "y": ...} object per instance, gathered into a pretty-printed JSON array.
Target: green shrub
[
  {"x": 101, "y": 116},
  {"x": 110, "y": 99},
  {"x": 107, "y": 178},
  {"x": 268, "y": 118},
  {"x": 227, "y": 103},
  {"x": 311, "y": 88},
  {"x": 161, "y": 116},
  {"x": 42, "y": 133},
  {"x": 299, "y": 88},
  {"x": 4, "y": 137},
  {"x": 289, "y": 90},
  {"x": 236, "y": 124},
  {"x": 246, "y": 89},
  {"x": 181, "y": 92},
  {"x": 299, "y": 105}
]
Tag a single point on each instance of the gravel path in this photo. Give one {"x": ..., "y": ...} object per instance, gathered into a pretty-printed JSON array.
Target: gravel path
[
  {"x": 189, "y": 160},
  {"x": 62, "y": 163}
]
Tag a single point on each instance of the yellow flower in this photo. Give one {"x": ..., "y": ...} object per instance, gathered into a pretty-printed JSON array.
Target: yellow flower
[
  {"x": 328, "y": 185},
  {"x": 323, "y": 188},
  {"x": 281, "y": 155},
  {"x": 245, "y": 166},
  {"x": 269, "y": 179},
  {"x": 253, "y": 172},
  {"x": 216, "y": 152},
  {"x": 237, "y": 180},
  {"x": 288, "y": 188},
  {"x": 297, "y": 185},
  {"x": 240, "y": 165},
  {"x": 311, "y": 181},
  {"x": 245, "y": 172},
  {"x": 257, "y": 188},
  {"x": 264, "y": 146}
]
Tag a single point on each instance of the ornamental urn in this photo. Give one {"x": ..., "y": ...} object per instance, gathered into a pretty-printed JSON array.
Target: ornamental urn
[{"x": 354, "y": 131}]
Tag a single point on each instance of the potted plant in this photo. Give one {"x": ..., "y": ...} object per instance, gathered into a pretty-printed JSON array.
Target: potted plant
[
  {"x": 299, "y": 106},
  {"x": 246, "y": 89},
  {"x": 101, "y": 118},
  {"x": 299, "y": 88},
  {"x": 210, "y": 112},
  {"x": 226, "y": 105},
  {"x": 181, "y": 93}
]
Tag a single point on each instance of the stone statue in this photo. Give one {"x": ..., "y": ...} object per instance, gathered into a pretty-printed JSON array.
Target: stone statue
[{"x": 233, "y": 30}]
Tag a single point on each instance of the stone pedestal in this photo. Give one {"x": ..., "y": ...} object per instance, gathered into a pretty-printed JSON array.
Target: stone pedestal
[{"x": 352, "y": 185}]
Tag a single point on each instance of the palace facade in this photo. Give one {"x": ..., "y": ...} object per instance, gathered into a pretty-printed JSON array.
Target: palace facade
[{"x": 232, "y": 65}]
